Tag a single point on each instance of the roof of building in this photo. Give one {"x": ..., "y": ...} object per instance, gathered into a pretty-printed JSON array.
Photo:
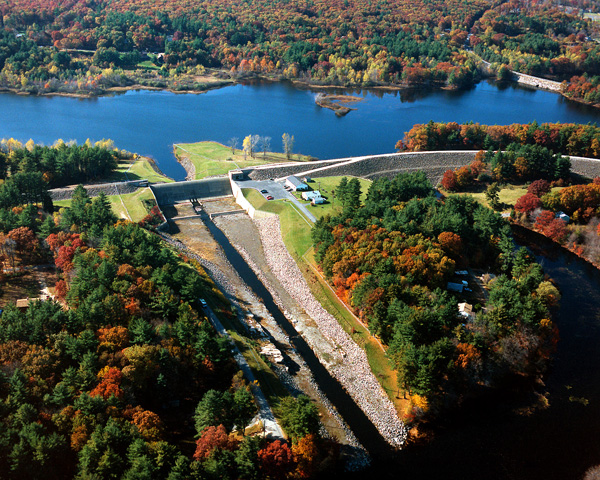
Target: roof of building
[{"x": 295, "y": 181}]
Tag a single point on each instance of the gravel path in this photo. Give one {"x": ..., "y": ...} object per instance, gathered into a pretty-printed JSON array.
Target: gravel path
[{"x": 350, "y": 367}]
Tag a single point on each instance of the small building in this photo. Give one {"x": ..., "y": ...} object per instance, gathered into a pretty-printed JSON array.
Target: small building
[
  {"x": 236, "y": 174},
  {"x": 310, "y": 195},
  {"x": 455, "y": 287},
  {"x": 295, "y": 184},
  {"x": 466, "y": 310},
  {"x": 307, "y": 179},
  {"x": 563, "y": 216},
  {"x": 317, "y": 200}
]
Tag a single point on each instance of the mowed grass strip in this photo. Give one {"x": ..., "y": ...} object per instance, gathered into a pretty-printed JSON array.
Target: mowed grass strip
[{"x": 213, "y": 158}]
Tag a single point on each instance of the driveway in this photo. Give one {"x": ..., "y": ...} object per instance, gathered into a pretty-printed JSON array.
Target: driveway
[{"x": 277, "y": 190}]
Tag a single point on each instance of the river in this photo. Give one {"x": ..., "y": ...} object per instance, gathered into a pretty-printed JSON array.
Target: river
[{"x": 150, "y": 122}]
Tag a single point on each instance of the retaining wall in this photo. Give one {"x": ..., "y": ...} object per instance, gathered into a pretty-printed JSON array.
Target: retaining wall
[
  {"x": 176, "y": 192},
  {"x": 114, "y": 188},
  {"x": 244, "y": 203}
]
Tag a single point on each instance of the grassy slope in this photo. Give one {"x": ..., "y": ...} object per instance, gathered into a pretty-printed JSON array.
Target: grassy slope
[
  {"x": 212, "y": 158},
  {"x": 296, "y": 235},
  {"x": 138, "y": 169},
  {"x": 132, "y": 201}
]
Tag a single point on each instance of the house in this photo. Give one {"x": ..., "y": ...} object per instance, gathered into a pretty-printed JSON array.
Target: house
[
  {"x": 317, "y": 200},
  {"x": 466, "y": 310},
  {"x": 455, "y": 287},
  {"x": 563, "y": 216},
  {"x": 295, "y": 184},
  {"x": 310, "y": 195}
]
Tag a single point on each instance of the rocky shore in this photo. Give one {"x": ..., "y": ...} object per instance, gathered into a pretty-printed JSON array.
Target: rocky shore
[{"x": 352, "y": 369}]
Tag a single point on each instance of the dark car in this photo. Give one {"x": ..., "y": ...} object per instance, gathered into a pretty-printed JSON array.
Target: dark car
[
  {"x": 264, "y": 191},
  {"x": 270, "y": 197}
]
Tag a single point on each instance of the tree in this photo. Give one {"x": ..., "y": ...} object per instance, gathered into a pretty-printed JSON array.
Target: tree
[
  {"x": 233, "y": 144},
  {"x": 211, "y": 439},
  {"x": 244, "y": 408},
  {"x": 265, "y": 145},
  {"x": 215, "y": 408},
  {"x": 288, "y": 144},
  {"x": 539, "y": 188},
  {"x": 299, "y": 417},
  {"x": 527, "y": 203},
  {"x": 491, "y": 195},
  {"x": 276, "y": 460},
  {"x": 353, "y": 192}
]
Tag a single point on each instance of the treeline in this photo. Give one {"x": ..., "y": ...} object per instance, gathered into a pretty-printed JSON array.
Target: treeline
[
  {"x": 335, "y": 41},
  {"x": 390, "y": 260},
  {"x": 517, "y": 163},
  {"x": 122, "y": 371},
  {"x": 61, "y": 164},
  {"x": 537, "y": 39},
  {"x": 564, "y": 138}
]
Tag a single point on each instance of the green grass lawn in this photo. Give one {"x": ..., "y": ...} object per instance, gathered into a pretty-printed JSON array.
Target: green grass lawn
[
  {"x": 133, "y": 208},
  {"x": 138, "y": 169},
  {"x": 213, "y": 158},
  {"x": 327, "y": 185},
  {"x": 509, "y": 194}
]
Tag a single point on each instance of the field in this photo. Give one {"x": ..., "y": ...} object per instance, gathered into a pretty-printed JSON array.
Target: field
[
  {"x": 296, "y": 235},
  {"x": 128, "y": 205},
  {"x": 509, "y": 194},
  {"x": 212, "y": 158},
  {"x": 27, "y": 284},
  {"x": 139, "y": 168}
]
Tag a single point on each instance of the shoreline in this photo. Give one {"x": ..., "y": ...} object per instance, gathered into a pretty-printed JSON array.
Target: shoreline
[{"x": 297, "y": 83}]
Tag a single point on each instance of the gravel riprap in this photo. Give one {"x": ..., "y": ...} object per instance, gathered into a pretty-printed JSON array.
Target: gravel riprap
[
  {"x": 115, "y": 188},
  {"x": 353, "y": 370}
]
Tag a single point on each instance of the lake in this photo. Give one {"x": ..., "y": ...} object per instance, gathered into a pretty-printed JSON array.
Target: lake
[{"x": 150, "y": 122}]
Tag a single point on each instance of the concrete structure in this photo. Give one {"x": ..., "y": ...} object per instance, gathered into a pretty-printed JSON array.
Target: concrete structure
[
  {"x": 177, "y": 192},
  {"x": 295, "y": 183},
  {"x": 236, "y": 175}
]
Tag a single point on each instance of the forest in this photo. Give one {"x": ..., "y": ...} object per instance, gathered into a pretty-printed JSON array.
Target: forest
[
  {"x": 120, "y": 374},
  {"x": 565, "y": 138},
  {"x": 390, "y": 260},
  {"x": 83, "y": 46}
]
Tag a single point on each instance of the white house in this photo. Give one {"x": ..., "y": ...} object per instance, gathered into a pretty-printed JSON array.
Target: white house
[
  {"x": 295, "y": 184},
  {"x": 317, "y": 200},
  {"x": 310, "y": 195}
]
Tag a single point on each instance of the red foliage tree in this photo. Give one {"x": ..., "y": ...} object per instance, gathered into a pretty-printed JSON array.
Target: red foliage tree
[
  {"x": 528, "y": 203},
  {"x": 276, "y": 460},
  {"x": 110, "y": 385},
  {"x": 211, "y": 439},
  {"x": 539, "y": 188},
  {"x": 543, "y": 220},
  {"x": 449, "y": 180}
]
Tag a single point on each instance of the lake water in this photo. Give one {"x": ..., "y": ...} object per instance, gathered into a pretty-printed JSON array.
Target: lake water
[{"x": 150, "y": 122}]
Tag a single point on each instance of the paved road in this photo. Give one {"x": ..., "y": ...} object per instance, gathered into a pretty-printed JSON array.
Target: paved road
[
  {"x": 277, "y": 190},
  {"x": 265, "y": 414}
]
